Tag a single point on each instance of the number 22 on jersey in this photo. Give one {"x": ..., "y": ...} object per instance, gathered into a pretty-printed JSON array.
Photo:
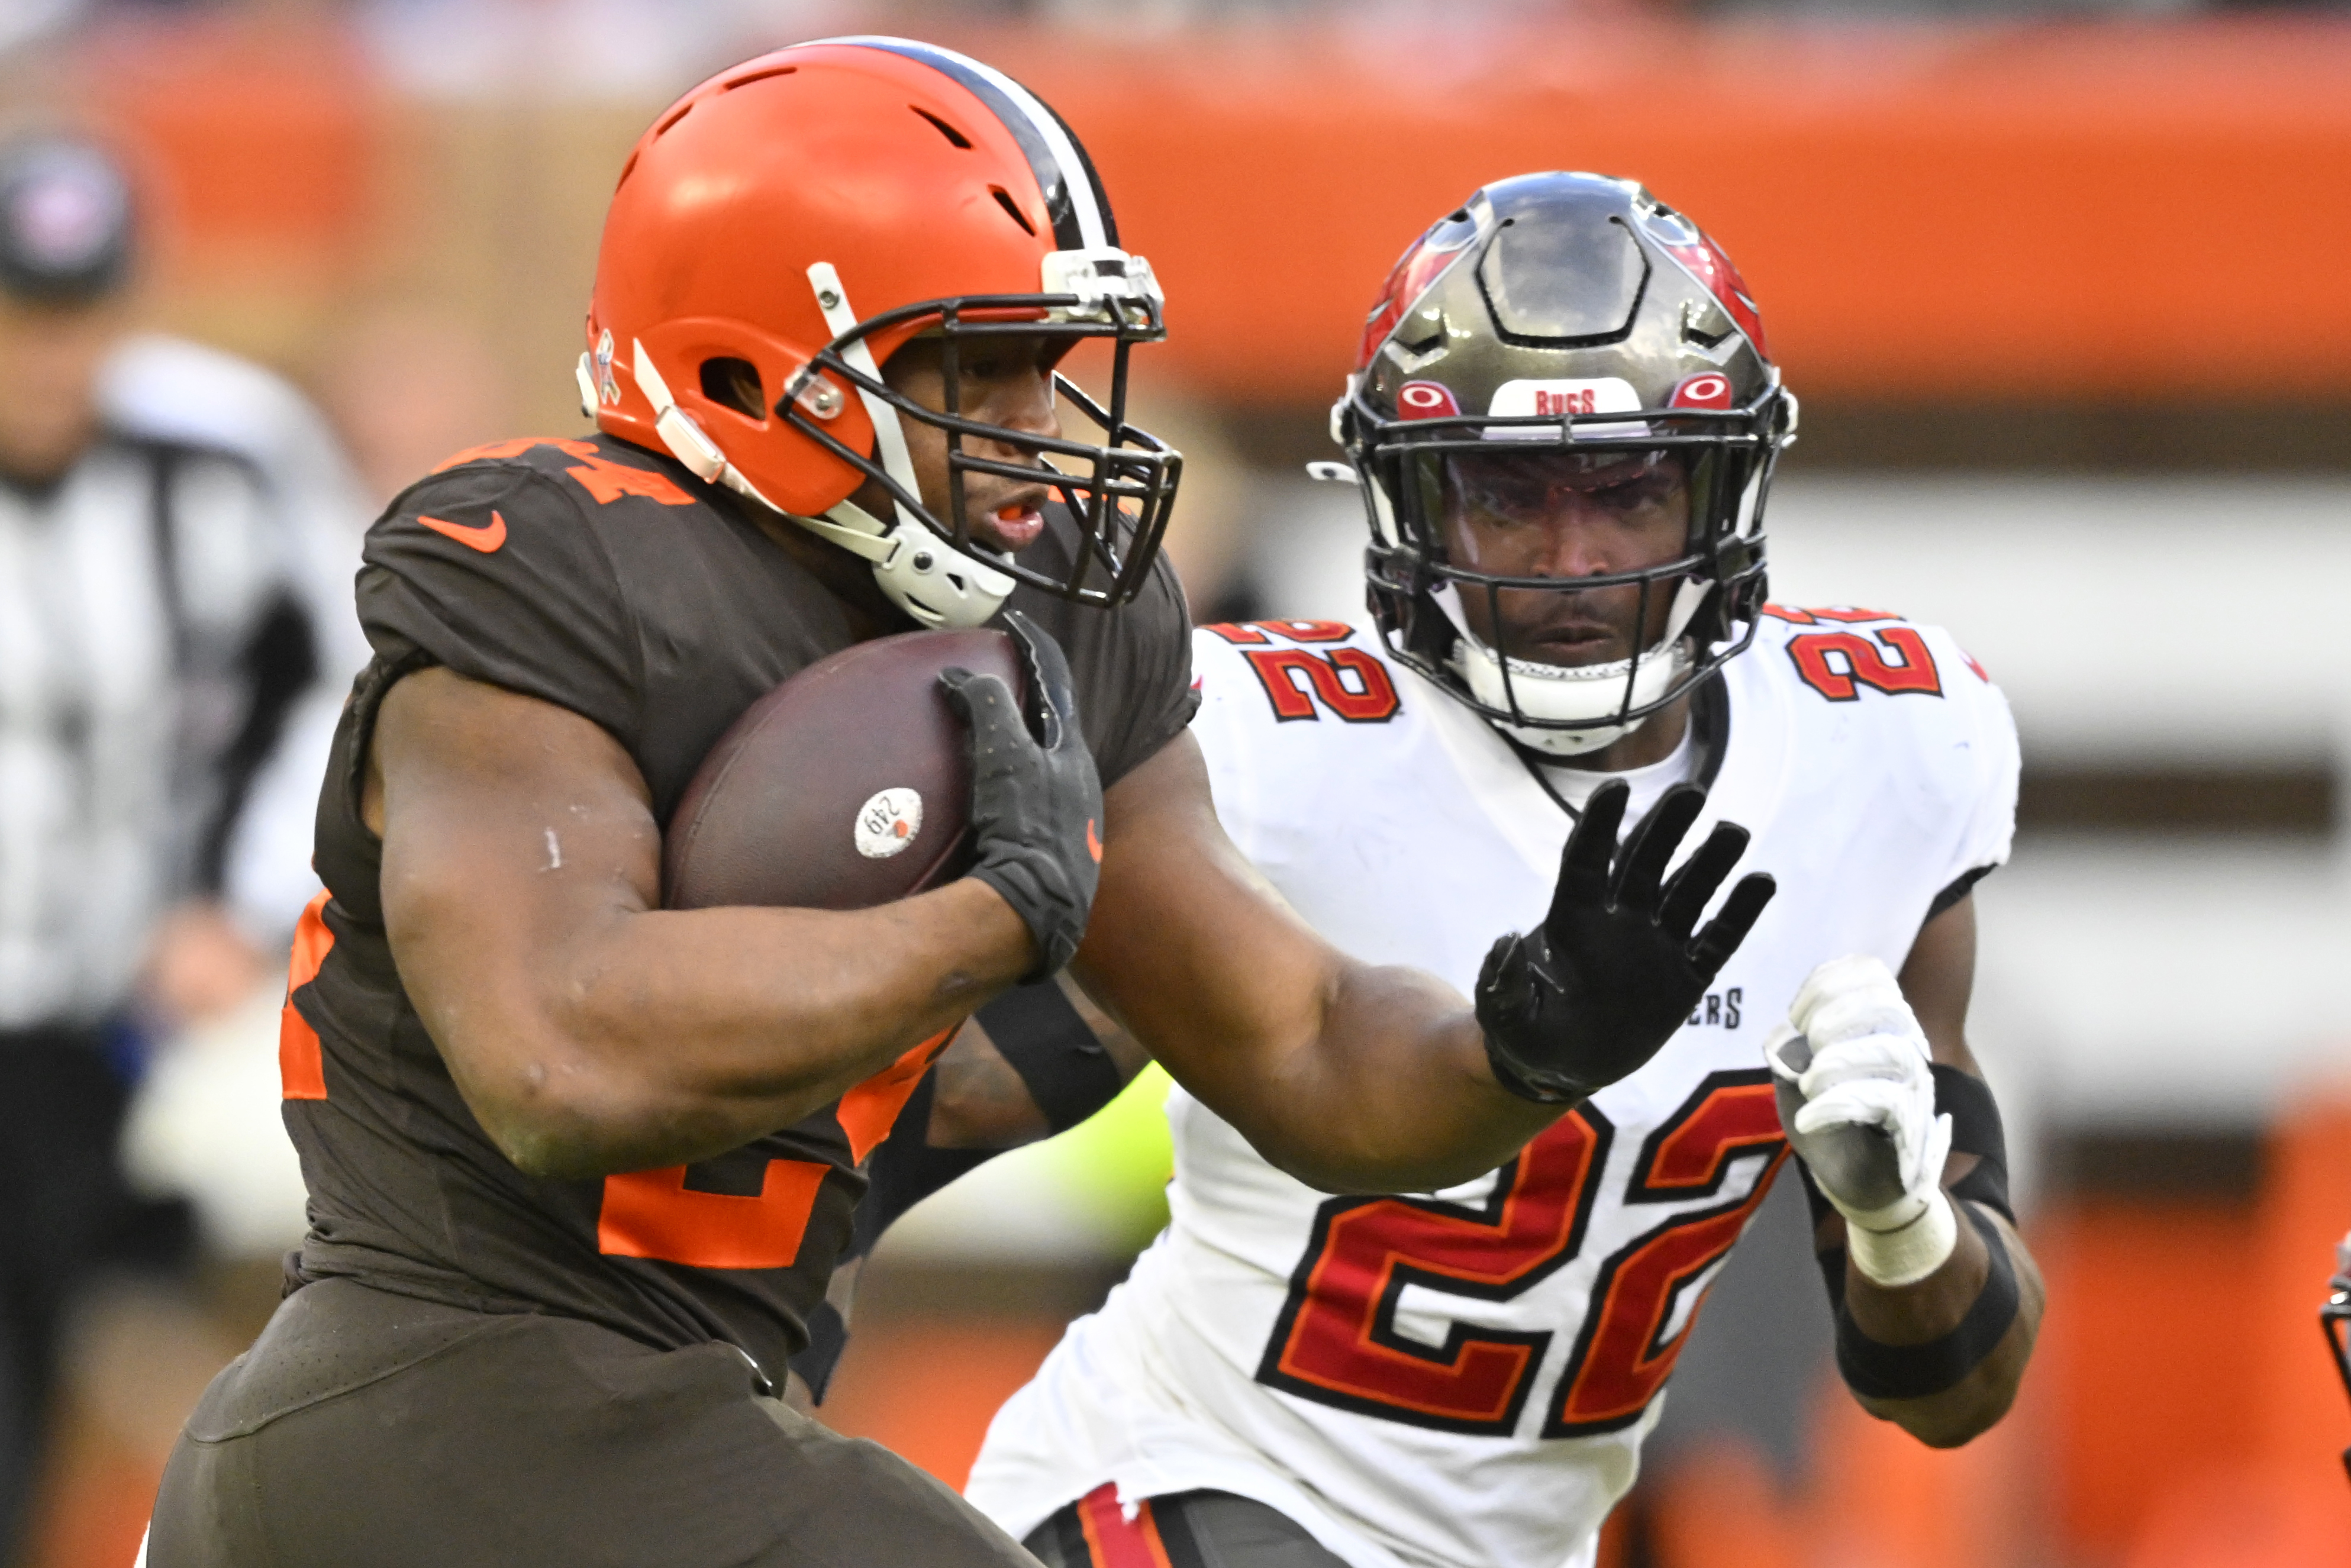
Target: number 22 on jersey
[{"x": 1337, "y": 1341}]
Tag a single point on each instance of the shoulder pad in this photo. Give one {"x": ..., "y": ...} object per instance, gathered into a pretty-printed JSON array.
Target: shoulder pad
[
  {"x": 1839, "y": 653},
  {"x": 606, "y": 470},
  {"x": 1300, "y": 669},
  {"x": 1269, "y": 633}
]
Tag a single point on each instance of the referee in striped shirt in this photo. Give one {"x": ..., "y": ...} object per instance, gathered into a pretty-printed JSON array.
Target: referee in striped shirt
[{"x": 158, "y": 630}]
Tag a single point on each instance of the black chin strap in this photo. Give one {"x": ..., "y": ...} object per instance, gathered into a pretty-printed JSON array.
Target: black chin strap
[{"x": 1709, "y": 723}]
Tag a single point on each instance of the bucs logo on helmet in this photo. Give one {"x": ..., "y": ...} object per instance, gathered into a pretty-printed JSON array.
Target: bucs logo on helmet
[
  {"x": 787, "y": 226},
  {"x": 1708, "y": 389},
  {"x": 1560, "y": 331},
  {"x": 1426, "y": 400}
]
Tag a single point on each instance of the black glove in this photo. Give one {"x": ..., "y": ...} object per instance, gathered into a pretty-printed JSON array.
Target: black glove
[
  {"x": 1036, "y": 800},
  {"x": 1592, "y": 993}
]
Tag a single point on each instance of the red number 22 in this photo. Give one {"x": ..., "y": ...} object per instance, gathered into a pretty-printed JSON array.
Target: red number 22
[
  {"x": 1336, "y": 1342},
  {"x": 1896, "y": 662}
]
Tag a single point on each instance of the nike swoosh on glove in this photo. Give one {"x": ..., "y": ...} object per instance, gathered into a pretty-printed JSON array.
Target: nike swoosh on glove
[{"x": 1853, "y": 1074}]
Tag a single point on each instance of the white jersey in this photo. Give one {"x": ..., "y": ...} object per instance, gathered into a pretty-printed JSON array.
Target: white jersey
[{"x": 1464, "y": 1378}]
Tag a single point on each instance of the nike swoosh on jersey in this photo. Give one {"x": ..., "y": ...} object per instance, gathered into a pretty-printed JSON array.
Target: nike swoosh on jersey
[{"x": 484, "y": 537}]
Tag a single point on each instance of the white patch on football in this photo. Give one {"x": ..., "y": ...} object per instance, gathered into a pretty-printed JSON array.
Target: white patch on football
[{"x": 889, "y": 822}]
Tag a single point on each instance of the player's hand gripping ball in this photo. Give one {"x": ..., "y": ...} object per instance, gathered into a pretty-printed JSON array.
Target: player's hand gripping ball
[
  {"x": 1591, "y": 994},
  {"x": 896, "y": 766},
  {"x": 1036, "y": 800},
  {"x": 847, "y": 786},
  {"x": 1857, "y": 1095}
]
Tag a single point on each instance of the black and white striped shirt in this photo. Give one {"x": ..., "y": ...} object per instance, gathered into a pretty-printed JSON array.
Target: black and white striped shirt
[{"x": 166, "y": 614}]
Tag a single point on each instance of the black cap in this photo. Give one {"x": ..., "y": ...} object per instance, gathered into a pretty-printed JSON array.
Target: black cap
[{"x": 65, "y": 221}]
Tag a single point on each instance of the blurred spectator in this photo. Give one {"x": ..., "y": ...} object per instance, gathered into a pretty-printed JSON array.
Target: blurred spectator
[{"x": 163, "y": 621}]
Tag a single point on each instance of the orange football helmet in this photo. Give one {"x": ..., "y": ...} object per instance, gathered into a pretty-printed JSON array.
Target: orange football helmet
[{"x": 806, "y": 214}]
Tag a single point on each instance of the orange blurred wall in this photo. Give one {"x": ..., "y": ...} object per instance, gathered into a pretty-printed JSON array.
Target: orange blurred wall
[
  {"x": 2027, "y": 211},
  {"x": 2019, "y": 211}
]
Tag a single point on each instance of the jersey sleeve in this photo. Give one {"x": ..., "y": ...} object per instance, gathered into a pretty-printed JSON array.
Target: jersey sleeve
[
  {"x": 1221, "y": 726},
  {"x": 1149, "y": 677},
  {"x": 492, "y": 571},
  {"x": 1989, "y": 830}
]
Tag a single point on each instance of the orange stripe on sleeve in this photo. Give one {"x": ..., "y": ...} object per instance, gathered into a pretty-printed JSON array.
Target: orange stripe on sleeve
[
  {"x": 302, "y": 1061},
  {"x": 868, "y": 1112}
]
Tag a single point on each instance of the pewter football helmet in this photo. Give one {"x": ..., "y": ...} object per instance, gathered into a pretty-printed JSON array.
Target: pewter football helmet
[{"x": 1565, "y": 315}]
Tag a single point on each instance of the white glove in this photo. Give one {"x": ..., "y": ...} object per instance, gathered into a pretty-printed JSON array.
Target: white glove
[{"x": 1858, "y": 1098}]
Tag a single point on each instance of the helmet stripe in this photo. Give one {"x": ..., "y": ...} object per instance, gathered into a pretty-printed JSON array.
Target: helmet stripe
[{"x": 1073, "y": 193}]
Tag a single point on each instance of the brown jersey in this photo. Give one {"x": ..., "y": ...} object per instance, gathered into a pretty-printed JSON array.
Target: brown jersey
[{"x": 596, "y": 576}]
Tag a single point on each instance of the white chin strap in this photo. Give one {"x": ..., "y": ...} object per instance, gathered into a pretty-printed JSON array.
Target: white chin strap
[
  {"x": 922, "y": 573},
  {"x": 1585, "y": 695}
]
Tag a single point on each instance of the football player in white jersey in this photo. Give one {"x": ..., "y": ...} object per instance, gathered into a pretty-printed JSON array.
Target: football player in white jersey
[{"x": 1564, "y": 419}]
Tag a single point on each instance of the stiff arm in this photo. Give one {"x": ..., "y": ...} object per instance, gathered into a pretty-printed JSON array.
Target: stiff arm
[{"x": 1350, "y": 1077}]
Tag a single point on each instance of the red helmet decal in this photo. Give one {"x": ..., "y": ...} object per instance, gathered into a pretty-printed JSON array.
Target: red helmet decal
[
  {"x": 1708, "y": 389},
  {"x": 1708, "y": 263},
  {"x": 1407, "y": 281},
  {"x": 1426, "y": 400}
]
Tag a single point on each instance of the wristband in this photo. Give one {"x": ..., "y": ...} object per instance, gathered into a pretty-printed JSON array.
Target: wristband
[
  {"x": 1042, "y": 1037},
  {"x": 1915, "y": 1371},
  {"x": 1976, "y": 1130},
  {"x": 1557, "y": 1092},
  {"x": 1910, "y": 1252}
]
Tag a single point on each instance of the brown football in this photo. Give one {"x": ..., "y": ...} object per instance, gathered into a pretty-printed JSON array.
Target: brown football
[{"x": 847, "y": 786}]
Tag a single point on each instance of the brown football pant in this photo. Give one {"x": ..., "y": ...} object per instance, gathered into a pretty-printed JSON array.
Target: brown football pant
[{"x": 370, "y": 1430}]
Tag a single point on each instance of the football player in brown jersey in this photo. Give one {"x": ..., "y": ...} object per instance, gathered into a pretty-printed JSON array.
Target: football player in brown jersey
[{"x": 579, "y": 1167}]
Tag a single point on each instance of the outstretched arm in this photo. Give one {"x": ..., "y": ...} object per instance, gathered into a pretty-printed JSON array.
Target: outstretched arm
[
  {"x": 1361, "y": 1078},
  {"x": 1193, "y": 950}
]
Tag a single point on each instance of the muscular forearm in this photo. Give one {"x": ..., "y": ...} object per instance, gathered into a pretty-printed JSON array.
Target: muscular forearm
[
  {"x": 1359, "y": 1078},
  {"x": 654, "y": 1038},
  {"x": 1938, "y": 1301},
  {"x": 1350, "y": 1077},
  {"x": 683, "y": 1035},
  {"x": 590, "y": 1030},
  {"x": 1381, "y": 1086},
  {"x": 1933, "y": 1308},
  {"x": 1394, "y": 1094}
]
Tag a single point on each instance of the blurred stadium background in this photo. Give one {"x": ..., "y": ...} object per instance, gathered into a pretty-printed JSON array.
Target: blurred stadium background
[{"x": 2063, "y": 286}]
